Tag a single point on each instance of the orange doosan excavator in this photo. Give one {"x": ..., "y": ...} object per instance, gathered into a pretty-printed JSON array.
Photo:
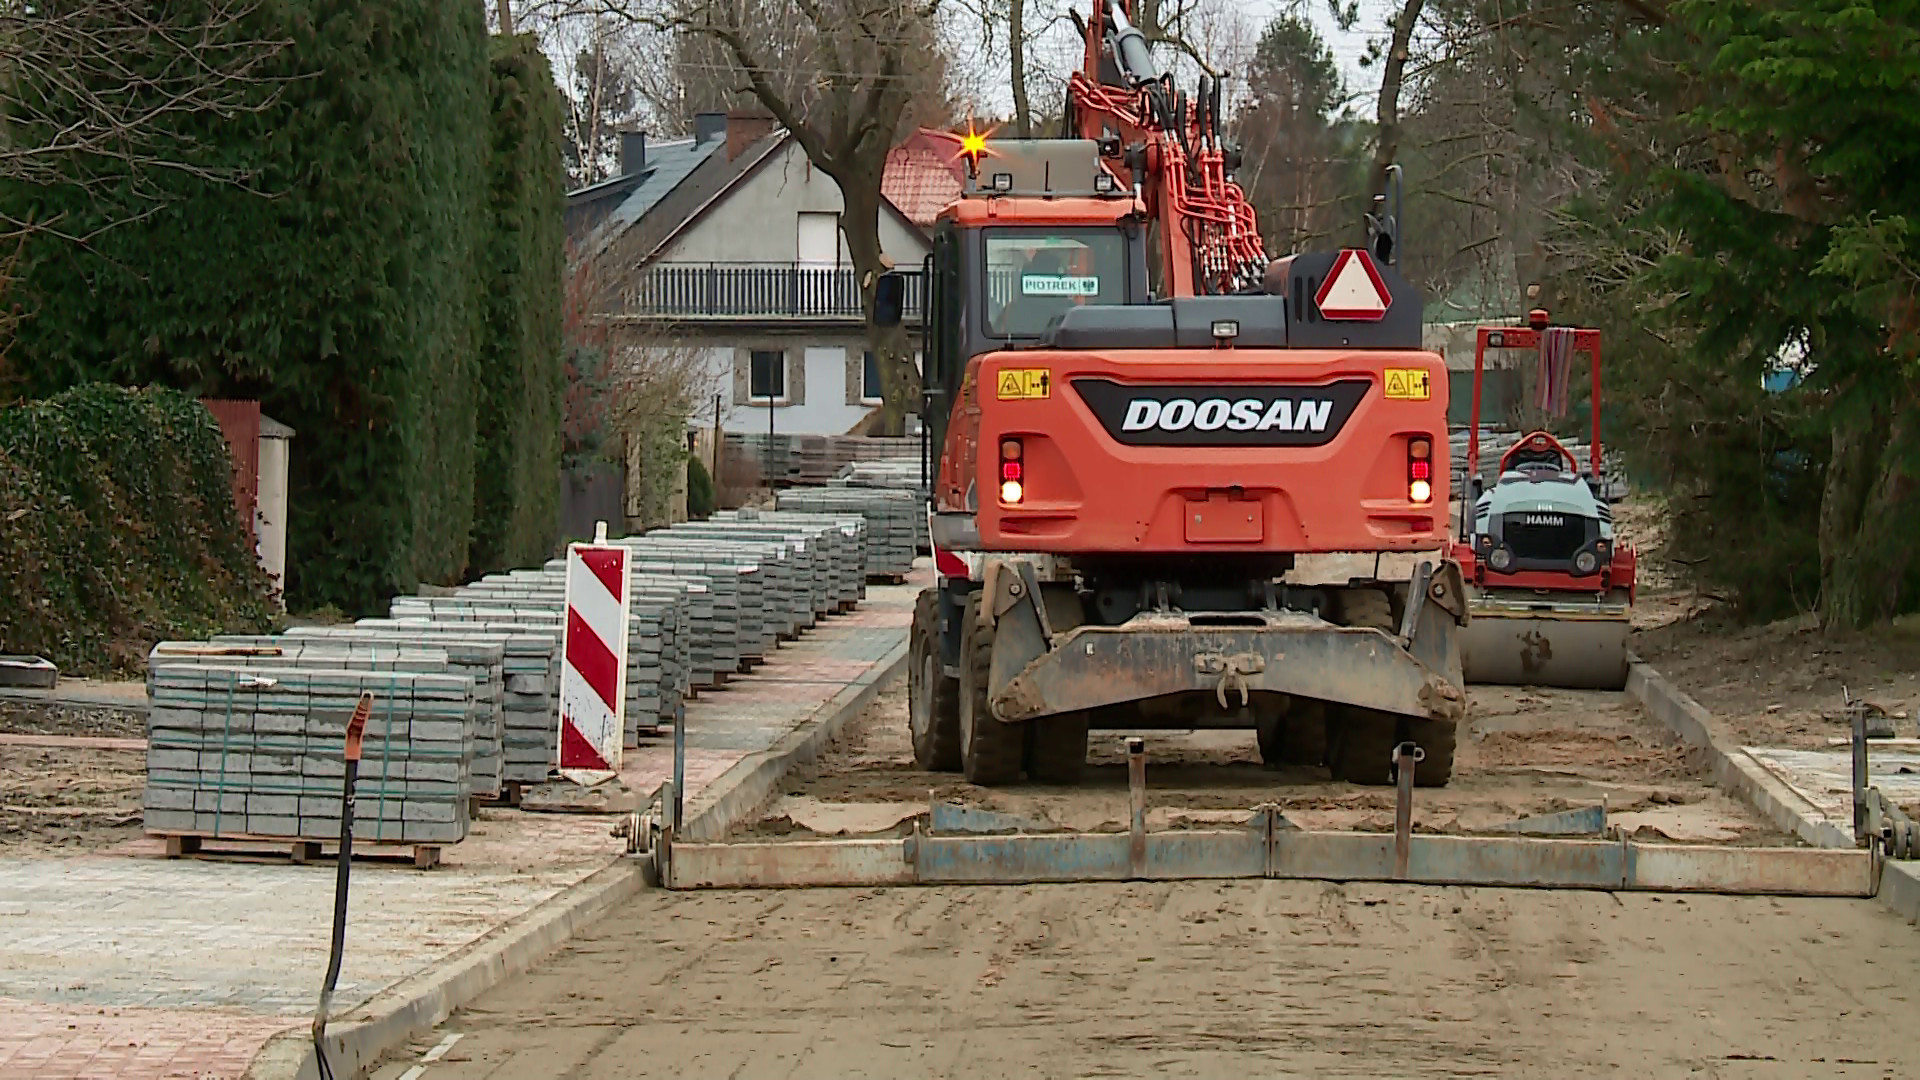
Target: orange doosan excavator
[{"x": 1139, "y": 425}]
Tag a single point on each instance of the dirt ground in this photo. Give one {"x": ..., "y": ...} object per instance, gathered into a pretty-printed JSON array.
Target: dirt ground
[
  {"x": 1774, "y": 685},
  {"x": 1267, "y": 979},
  {"x": 1524, "y": 752},
  {"x": 65, "y": 799}
]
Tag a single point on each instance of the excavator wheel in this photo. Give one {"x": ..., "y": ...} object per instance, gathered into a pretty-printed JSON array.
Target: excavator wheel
[
  {"x": 1057, "y": 748},
  {"x": 1292, "y": 736},
  {"x": 1057, "y": 745},
  {"x": 1361, "y": 741},
  {"x": 1361, "y": 750},
  {"x": 933, "y": 699},
  {"x": 990, "y": 751}
]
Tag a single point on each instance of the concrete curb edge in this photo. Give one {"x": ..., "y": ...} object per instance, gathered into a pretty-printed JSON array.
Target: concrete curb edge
[
  {"x": 418, "y": 1002},
  {"x": 1742, "y": 777},
  {"x": 742, "y": 789},
  {"x": 1735, "y": 772},
  {"x": 356, "y": 1042}
]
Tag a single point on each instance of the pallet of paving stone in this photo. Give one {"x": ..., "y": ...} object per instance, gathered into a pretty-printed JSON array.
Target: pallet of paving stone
[
  {"x": 483, "y": 661},
  {"x": 298, "y": 852},
  {"x": 530, "y": 670},
  {"x": 645, "y": 708},
  {"x": 256, "y": 751},
  {"x": 845, "y": 536},
  {"x": 530, "y": 740},
  {"x": 892, "y": 534},
  {"x": 382, "y": 661},
  {"x": 784, "y": 593}
]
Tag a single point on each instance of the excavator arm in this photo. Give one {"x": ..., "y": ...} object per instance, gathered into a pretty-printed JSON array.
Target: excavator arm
[{"x": 1168, "y": 147}]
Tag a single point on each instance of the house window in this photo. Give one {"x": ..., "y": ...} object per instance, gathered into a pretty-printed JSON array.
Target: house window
[
  {"x": 767, "y": 374},
  {"x": 870, "y": 385}
]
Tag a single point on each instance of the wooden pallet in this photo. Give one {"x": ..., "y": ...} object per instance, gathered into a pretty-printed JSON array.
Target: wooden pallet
[
  {"x": 299, "y": 851},
  {"x": 886, "y": 579}
]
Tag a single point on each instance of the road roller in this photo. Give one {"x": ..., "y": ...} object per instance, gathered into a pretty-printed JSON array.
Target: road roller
[{"x": 1550, "y": 587}]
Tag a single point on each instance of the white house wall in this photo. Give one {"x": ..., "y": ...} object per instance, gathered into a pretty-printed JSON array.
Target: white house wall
[
  {"x": 757, "y": 220},
  {"x": 822, "y": 408}
]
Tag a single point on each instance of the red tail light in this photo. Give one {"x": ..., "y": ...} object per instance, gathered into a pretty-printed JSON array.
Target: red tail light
[
  {"x": 1419, "y": 469},
  {"x": 1012, "y": 475}
]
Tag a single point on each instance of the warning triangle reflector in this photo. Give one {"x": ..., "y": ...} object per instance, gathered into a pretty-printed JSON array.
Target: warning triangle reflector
[{"x": 1354, "y": 290}]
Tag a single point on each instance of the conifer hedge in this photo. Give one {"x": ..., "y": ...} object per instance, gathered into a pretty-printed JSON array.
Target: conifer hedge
[
  {"x": 521, "y": 377},
  {"x": 352, "y": 283}
]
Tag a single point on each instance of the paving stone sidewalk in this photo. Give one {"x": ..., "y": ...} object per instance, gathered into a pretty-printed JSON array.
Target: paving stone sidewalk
[{"x": 123, "y": 965}]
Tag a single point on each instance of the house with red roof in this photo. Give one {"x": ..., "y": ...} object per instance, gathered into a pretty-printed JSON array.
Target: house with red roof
[{"x": 729, "y": 243}]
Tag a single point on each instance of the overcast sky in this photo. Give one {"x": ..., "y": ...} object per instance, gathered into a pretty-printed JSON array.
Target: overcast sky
[{"x": 1347, "y": 47}]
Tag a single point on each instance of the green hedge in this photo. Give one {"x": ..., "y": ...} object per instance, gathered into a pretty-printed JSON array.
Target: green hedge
[
  {"x": 117, "y": 529},
  {"x": 342, "y": 284},
  {"x": 521, "y": 375}
]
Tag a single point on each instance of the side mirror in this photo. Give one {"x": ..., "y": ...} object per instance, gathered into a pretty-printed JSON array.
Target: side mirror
[{"x": 889, "y": 299}]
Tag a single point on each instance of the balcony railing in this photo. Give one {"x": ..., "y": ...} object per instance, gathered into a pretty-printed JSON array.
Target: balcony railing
[{"x": 755, "y": 291}]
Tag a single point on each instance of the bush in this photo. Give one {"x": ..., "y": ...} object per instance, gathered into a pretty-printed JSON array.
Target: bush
[
  {"x": 700, "y": 496},
  {"x": 517, "y": 464},
  {"x": 117, "y": 529}
]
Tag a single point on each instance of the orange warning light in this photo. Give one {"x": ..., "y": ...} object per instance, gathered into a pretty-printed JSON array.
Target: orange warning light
[{"x": 973, "y": 145}]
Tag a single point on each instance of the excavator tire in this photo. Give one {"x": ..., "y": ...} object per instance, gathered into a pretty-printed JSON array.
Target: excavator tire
[
  {"x": 1057, "y": 745},
  {"x": 1057, "y": 748},
  {"x": 990, "y": 750},
  {"x": 1293, "y": 736},
  {"x": 933, "y": 699},
  {"x": 1362, "y": 741}
]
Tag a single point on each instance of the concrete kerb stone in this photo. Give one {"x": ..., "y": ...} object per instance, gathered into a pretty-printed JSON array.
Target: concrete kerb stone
[
  {"x": 356, "y": 1043},
  {"x": 744, "y": 788},
  {"x": 1735, "y": 772},
  {"x": 1900, "y": 890},
  {"x": 1899, "y": 883}
]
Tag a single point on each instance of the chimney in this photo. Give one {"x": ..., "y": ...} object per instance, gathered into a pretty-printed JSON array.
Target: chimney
[
  {"x": 744, "y": 128},
  {"x": 709, "y": 125},
  {"x": 633, "y": 153}
]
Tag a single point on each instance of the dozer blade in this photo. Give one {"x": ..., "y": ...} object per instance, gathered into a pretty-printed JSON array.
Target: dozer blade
[{"x": 1573, "y": 645}]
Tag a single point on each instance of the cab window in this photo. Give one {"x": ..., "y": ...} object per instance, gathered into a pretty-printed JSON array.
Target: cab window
[{"x": 1035, "y": 275}]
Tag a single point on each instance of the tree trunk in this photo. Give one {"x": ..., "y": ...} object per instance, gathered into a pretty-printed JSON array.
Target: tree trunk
[
  {"x": 899, "y": 382},
  {"x": 505, "y": 8},
  {"x": 1867, "y": 516},
  {"x": 1387, "y": 117},
  {"x": 1017, "y": 50}
]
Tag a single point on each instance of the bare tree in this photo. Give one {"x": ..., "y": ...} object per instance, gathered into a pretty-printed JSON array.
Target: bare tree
[{"x": 96, "y": 90}]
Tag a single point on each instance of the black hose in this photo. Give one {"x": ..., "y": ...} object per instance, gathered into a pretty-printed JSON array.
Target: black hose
[{"x": 336, "y": 952}]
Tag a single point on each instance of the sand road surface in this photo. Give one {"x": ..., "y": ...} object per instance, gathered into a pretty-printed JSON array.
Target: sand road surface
[{"x": 1211, "y": 979}]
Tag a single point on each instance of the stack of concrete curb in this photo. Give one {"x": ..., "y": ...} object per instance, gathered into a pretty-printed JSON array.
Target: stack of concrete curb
[
  {"x": 811, "y": 459},
  {"x": 482, "y": 660},
  {"x": 892, "y": 532},
  {"x": 660, "y": 629},
  {"x": 742, "y": 588},
  {"x": 646, "y": 710},
  {"x": 812, "y": 548},
  {"x": 257, "y": 750},
  {"x": 842, "y": 536}
]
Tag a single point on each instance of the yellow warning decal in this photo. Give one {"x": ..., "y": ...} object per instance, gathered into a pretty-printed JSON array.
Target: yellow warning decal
[
  {"x": 1408, "y": 384},
  {"x": 1025, "y": 384}
]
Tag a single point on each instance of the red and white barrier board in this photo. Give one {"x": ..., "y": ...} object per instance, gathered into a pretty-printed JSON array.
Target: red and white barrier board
[{"x": 593, "y": 680}]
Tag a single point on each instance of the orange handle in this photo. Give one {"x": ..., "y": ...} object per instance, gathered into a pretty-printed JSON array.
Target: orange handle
[{"x": 357, "y": 726}]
